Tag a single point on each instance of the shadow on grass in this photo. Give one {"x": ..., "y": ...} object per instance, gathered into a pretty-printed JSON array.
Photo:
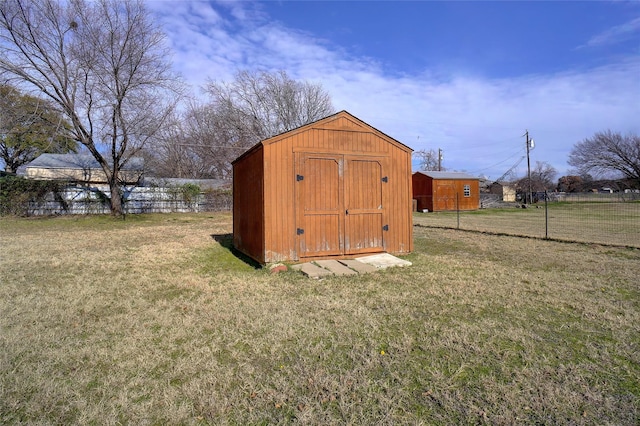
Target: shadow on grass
[{"x": 226, "y": 242}]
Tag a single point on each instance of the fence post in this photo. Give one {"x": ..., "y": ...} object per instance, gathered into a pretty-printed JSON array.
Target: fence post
[
  {"x": 458, "y": 208},
  {"x": 546, "y": 216}
]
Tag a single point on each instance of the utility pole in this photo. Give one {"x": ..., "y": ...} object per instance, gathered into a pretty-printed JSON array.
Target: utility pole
[
  {"x": 439, "y": 160},
  {"x": 529, "y": 147}
]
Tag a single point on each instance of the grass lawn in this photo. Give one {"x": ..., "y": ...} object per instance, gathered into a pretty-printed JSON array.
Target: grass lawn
[{"x": 153, "y": 320}]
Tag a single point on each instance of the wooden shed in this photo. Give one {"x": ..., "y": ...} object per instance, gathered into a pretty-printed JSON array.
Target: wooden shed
[
  {"x": 445, "y": 191},
  {"x": 334, "y": 188}
]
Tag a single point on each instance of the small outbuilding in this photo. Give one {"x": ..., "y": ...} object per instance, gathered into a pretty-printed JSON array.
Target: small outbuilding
[
  {"x": 445, "y": 191},
  {"x": 506, "y": 192},
  {"x": 334, "y": 188}
]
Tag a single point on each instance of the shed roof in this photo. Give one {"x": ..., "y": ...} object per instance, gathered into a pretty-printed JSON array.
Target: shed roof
[
  {"x": 78, "y": 161},
  {"x": 304, "y": 127},
  {"x": 448, "y": 175}
]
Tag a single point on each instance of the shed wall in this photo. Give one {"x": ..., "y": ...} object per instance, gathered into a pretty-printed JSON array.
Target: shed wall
[
  {"x": 448, "y": 195},
  {"x": 339, "y": 136},
  {"x": 248, "y": 205},
  {"x": 423, "y": 191}
]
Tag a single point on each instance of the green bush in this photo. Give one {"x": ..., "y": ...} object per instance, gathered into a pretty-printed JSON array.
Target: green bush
[
  {"x": 16, "y": 193},
  {"x": 190, "y": 192}
]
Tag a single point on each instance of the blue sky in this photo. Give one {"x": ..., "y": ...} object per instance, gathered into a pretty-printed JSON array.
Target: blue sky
[{"x": 466, "y": 77}]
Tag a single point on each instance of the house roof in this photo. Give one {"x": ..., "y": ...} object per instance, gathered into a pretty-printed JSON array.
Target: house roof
[
  {"x": 448, "y": 175},
  {"x": 202, "y": 183},
  {"x": 78, "y": 161},
  {"x": 304, "y": 127}
]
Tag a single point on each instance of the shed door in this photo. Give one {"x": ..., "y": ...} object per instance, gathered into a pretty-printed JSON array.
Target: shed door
[
  {"x": 320, "y": 201},
  {"x": 340, "y": 207},
  {"x": 364, "y": 208},
  {"x": 444, "y": 194}
]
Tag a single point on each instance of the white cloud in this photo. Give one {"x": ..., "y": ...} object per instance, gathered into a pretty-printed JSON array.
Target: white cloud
[
  {"x": 615, "y": 34},
  {"x": 477, "y": 121}
]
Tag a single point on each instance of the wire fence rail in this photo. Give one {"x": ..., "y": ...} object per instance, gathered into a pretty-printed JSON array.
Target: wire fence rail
[{"x": 599, "y": 220}]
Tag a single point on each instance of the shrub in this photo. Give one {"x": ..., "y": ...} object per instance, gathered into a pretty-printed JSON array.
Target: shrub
[
  {"x": 16, "y": 193},
  {"x": 190, "y": 192}
]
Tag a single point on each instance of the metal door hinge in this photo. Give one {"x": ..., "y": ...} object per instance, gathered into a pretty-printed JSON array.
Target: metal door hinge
[
  {"x": 385, "y": 228},
  {"x": 299, "y": 231},
  {"x": 299, "y": 178}
]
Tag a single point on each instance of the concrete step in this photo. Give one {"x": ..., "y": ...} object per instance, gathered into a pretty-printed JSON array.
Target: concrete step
[
  {"x": 383, "y": 260},
  {"x": 359, "y": 267},
  {"x": 336, "y": 267},
  {"x": 311, "y": 270},
  {"x": 344, "y": 267}
]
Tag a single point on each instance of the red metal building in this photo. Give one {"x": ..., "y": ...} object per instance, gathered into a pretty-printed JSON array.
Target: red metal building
[{"x": 445, "y": 191}]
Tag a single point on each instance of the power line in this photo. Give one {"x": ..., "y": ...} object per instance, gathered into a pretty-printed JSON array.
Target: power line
[
  {"x": 497, "y": 164},
  {"x": 458, "y": 145}
]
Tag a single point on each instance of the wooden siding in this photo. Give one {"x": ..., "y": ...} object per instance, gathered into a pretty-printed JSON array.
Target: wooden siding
[
  {"x": 248, "y": 206},
  {"x": 331, "y": 188}
]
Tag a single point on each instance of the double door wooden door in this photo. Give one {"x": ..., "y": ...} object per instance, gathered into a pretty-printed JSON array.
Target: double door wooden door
[{"x": 340, "y": 204}]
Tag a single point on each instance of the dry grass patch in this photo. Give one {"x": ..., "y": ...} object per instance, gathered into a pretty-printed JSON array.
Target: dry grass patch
[{"x": 153, "y": 320}]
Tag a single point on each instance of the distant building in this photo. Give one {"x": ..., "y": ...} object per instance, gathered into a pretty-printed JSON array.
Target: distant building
[
  {"x": 81, "y": 168},
  {"x": 506, "y": 192},
  {"x": 445, "y": 191}
]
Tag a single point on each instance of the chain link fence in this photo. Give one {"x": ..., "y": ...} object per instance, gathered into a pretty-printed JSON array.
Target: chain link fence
[{"x": 612, "y": 219}]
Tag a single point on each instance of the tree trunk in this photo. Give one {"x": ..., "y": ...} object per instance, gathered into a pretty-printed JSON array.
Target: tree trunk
[{"x": 117, "y": 209}]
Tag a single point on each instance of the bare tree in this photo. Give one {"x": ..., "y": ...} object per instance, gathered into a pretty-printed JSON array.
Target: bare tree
[
  {"x": 258, "y": 105},
  {"x": 216, "y": 140},
  {"x": 429, "y": 160},
  {"x": 608, "y": 152},
  {"x": 172, "y": 154},
  {"x": 543, "y": 178},
  {"x": 198, "y": 144},
  {"x": 206, "y": 137},
  {"x": 103, "y": 63}
]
